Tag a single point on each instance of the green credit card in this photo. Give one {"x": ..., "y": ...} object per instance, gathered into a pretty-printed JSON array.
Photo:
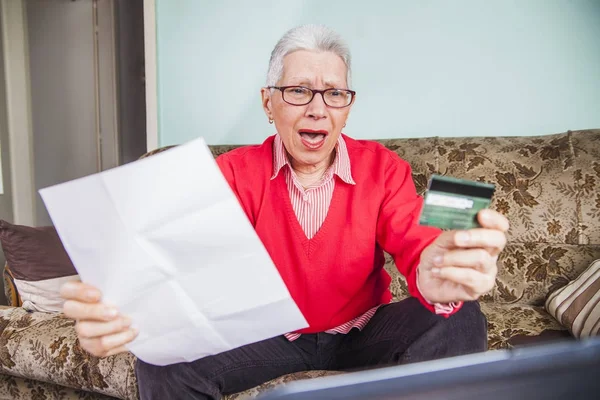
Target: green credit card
[{"x": 452, "y": 203}]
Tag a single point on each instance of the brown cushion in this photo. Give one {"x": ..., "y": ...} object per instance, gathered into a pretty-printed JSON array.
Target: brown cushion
[
  {"x": 38, "y": 263},
  {"x": 34, "y": 253}
]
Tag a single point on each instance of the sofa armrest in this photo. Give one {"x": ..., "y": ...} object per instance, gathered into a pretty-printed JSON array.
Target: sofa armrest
[
  {"x": 10, "y": 289},
  {"x": 44, "y": 346}
]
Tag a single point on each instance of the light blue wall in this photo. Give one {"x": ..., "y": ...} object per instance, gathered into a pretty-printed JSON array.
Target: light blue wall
[{"x": 421, "y": 68}]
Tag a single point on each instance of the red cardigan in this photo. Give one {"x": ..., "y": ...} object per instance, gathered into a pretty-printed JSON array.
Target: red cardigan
[{"x": 338, "y": 274}]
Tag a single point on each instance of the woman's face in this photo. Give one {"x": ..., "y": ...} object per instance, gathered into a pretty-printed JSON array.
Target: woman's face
[{"x": 309, "y": 132}]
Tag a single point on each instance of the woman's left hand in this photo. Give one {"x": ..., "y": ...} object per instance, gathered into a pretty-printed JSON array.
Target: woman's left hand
[{"x": 461, "y": 265}]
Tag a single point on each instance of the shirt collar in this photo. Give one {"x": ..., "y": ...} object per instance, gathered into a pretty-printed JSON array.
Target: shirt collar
[{"x": 340, "y": 166}]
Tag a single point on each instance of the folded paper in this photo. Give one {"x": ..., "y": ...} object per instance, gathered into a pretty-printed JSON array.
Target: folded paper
[{"x": 166, "y": 241}]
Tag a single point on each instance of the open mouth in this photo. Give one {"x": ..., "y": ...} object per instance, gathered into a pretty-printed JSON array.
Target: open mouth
[{"x": 313, "y": 139}]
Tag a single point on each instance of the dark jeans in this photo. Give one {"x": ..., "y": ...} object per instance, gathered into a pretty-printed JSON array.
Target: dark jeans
[{"x": 398, "y": 333}]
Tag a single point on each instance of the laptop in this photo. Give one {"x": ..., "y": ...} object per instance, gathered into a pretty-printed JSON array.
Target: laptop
[{"x": 564, "y": 370}]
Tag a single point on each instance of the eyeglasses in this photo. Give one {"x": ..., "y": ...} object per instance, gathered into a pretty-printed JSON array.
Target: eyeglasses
[{"x": 301, "y": 96}]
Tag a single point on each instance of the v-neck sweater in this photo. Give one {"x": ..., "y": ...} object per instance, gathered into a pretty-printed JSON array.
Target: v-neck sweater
[{"x": 338, "y": 274}]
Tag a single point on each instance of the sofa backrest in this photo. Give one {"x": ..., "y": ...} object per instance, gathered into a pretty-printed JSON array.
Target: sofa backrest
[{"x": 547, "y": 186}]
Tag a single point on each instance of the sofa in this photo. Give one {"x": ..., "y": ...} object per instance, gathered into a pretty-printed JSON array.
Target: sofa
[{"x": 547, "y": 186}]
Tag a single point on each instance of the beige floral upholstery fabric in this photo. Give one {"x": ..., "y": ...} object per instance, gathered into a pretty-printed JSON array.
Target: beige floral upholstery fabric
[
  {"x": 15, "y": 388},
  {"x": 527, "y": 272},
  {"x": 586, "y": 186},
  {"x": 547, "y": 186},
  {"x": 509, "y": 321},
  {"x": 548, "y": 183},
  {"x": 44, "y": 347}
]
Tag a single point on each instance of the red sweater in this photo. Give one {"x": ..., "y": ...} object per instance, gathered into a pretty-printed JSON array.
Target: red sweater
[{"x": 338, "y": 274}]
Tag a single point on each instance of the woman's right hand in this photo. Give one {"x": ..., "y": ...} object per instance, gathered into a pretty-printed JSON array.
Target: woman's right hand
[{"x": 101, "y": 330}]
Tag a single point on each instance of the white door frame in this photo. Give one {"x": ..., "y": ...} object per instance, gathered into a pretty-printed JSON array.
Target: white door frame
[
  {"x": 18, "y": 110},
  {"x": 151, "y": 77}
]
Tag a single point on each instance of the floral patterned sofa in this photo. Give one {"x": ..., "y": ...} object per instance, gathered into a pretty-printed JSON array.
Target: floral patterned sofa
[{"x": 546, "y": 185}]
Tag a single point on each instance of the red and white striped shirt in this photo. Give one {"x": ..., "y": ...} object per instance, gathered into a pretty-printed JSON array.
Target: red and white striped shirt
[{"x": 311, "y": 205}]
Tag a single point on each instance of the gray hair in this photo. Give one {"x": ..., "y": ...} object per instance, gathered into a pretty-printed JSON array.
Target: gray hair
[{"x": 307, "y": 37}]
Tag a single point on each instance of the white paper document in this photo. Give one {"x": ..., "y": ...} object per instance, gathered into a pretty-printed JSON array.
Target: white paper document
[{"x": 166, "y": 241}]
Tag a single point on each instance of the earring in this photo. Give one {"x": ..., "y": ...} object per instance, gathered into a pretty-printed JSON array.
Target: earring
[
  {"x": 344, "y": 125},
  {"x": 270, "y": 121}
]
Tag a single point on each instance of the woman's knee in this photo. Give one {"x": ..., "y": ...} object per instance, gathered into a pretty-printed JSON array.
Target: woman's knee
[
  {"x": 169, "y": 382},
  {"x": 469, "y": 326},
  {"x": 153, "y": 380}
]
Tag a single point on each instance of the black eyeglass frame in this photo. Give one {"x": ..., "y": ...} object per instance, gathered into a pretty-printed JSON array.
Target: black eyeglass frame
[{"x": 314, "y": 91}]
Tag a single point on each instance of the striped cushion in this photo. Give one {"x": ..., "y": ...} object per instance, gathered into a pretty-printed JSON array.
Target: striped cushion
[{"x": 577, "y": 305}]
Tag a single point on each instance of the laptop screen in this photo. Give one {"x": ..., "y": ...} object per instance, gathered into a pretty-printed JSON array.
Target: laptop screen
[{"x": 562, "y": 370}]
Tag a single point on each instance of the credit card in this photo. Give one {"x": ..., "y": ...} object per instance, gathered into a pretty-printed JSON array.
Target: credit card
[{"x": 453, "y": 203}]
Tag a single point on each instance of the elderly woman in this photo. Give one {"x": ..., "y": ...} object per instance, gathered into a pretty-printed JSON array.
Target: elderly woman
[{"x": 326, "y": 207}]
